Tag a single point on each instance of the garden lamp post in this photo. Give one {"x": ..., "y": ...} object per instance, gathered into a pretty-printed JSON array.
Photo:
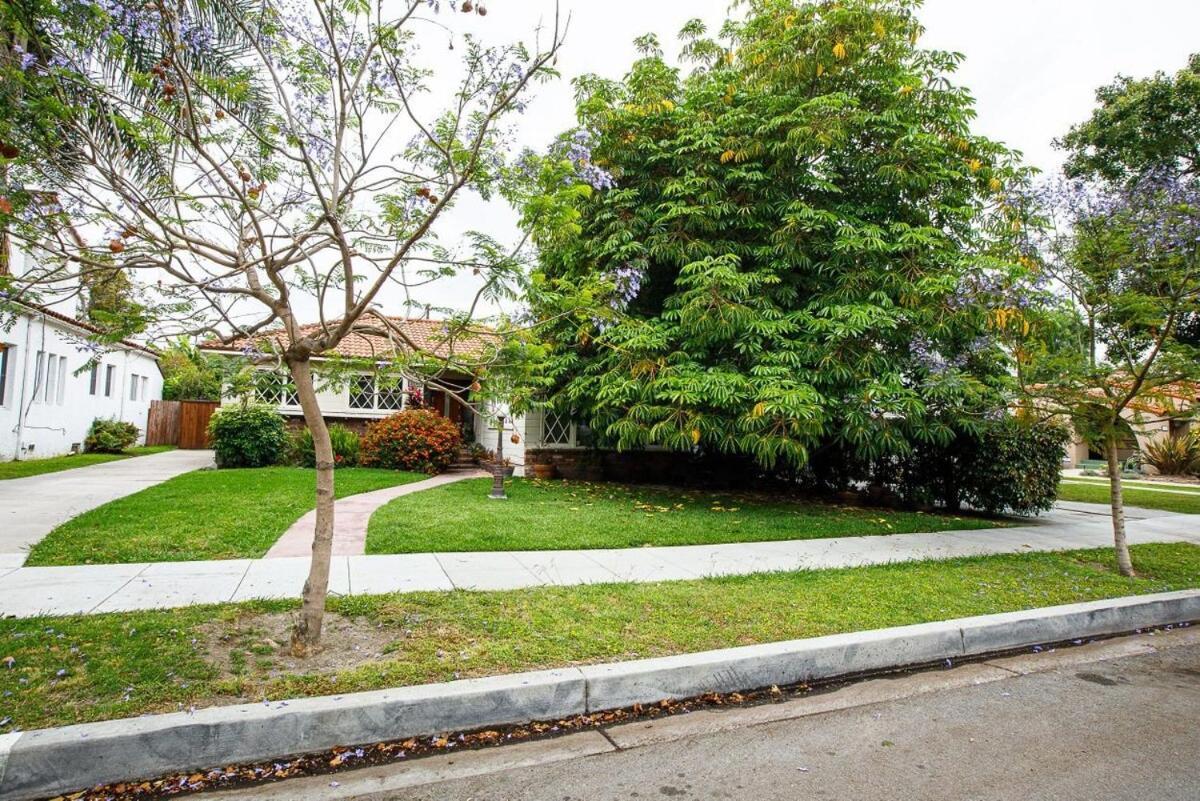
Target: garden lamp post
[{"x": 498, "y": 468}]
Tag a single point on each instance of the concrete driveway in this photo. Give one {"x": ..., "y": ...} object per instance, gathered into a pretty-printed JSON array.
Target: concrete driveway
[{"x": 30, "y": 508}]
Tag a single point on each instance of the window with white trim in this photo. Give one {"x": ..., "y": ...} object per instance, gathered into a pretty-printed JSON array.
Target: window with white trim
[
  {"x": 556, "y": 428},
  {"x": 5, "y": 361},
  {"x": 110, "y": 380},
  {"x": 369, "y": 392},
  {"x": 133, "y": 386},
  {"x": 62, "y": 380},
  {"x": 94, "y": 379},
  {"x": 275, "y": 389}
]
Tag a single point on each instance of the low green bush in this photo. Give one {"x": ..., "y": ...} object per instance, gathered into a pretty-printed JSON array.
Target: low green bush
[
  {"x": 345, "y": 447},
  {"x": 248, "y": 435},
  {"x": 110, "y": 436}
]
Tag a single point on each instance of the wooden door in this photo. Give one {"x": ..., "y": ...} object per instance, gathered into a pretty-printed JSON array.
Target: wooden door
[{"x": 193, "y": 423}]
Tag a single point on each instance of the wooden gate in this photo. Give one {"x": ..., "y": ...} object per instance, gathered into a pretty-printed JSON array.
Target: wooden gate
[
  {"x": 162, "y": 425},
  {"x": 193, "y": 423}
]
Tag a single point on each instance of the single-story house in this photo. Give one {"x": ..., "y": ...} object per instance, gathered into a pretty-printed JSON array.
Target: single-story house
[
  {"x": 49, "y": 395},
  {"x": 540, "y": 435},
  {"x": 1169, "y": 412}
]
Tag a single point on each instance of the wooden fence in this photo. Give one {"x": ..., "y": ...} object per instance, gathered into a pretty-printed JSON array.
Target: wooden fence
[
  {"x": 181, "y": 423},
  {"x": 162, "y": 426}
]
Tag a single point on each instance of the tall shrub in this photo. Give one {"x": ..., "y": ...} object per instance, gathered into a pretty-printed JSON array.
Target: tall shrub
[
  {"x": 416, "y": 439},
  {"x": 247, "y": 435}
]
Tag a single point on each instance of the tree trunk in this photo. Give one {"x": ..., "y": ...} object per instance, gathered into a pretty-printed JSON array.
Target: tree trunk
[
  {"x": 1124, "y": 563},
  {"x": 306, "y": 635}
]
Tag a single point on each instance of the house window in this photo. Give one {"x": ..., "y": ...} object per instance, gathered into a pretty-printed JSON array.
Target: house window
[
  {"x": 51, "y": 378},
  {"x": 145, "y": 387},
  {"x": 362, "y": 392},
  {"x": 62, "y": 380},
  {"x": 389, "y": 396},
  {"x": 556, "y": 429},
  {"x": 110, "y": 380},
  {"x": 94, "y": 379},
  {"x": 367, "y": 392},
  {"x": 39, "y": 376},
  {"x": 5, "y": 360},
  {"x": 133, "y": 386},
  {"x": 275, "y": 389}
]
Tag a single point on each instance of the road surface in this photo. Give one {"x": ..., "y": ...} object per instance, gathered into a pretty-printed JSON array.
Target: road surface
[{"x": 1115, "y": 720}]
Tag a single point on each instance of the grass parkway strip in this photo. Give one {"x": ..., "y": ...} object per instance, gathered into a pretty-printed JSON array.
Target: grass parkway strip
[{"x": 61, "y": 670}]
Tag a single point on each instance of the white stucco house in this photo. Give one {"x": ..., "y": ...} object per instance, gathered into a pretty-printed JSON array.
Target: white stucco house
[
  {"x": 53, "y": 385},
  {"x": 49, "y": 396}
]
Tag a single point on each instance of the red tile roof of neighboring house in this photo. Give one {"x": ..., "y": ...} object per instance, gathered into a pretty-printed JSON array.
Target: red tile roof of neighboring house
[
  {"x": 86, "y": 326},
  {"x": 428, "y": 336}
]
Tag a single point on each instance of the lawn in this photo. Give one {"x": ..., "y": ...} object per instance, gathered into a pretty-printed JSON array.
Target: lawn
[
  {"x": 1147, "y": 499},
  {"x": 543, "y": 515},
  {"x": 206, "y": 514},
  {"x": 84, "y": 668},
  {"x": 53, "y": 464}
]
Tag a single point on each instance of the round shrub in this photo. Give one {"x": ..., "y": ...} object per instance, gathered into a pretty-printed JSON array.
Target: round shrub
[
  {"x": 110, "y": 436},
  {"x": 247, "y": 436},
  {"x": 411, "y": 440},
  {"x": 345, "y": 447}
]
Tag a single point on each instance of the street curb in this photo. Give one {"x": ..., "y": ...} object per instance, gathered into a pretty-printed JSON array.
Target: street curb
[{"x": 50, "y": 761}]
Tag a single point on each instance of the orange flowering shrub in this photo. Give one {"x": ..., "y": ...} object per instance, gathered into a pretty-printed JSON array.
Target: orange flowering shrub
[{"x": 416, "y": 439}]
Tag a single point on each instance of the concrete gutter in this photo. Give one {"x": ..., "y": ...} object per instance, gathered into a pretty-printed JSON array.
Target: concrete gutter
[{"x": 46, "y": 762}]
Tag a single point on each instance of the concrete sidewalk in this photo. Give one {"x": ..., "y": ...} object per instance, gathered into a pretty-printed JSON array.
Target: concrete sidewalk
[
  {"x": 32, "y": 507},
  {"x": 91, "y": 589},
  {"x": 351, "y": 516}
]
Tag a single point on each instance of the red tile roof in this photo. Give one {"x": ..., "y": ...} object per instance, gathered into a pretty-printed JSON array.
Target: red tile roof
[
  {"x": 86, "y": 326},
  {"x": 427, "y": 336}
]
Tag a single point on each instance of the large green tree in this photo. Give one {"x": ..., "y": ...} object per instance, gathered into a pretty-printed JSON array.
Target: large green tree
[
  {"x": 1139, "y": 126},
  {"x": 804, "y": 246}
]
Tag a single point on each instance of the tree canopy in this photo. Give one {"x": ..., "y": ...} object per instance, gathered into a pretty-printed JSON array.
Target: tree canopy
[
  {"x": 1140, "y": 126},
  {"x": 801, "y": 242}
]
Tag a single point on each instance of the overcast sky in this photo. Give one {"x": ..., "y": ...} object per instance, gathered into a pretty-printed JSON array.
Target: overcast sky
[{"x": 1032, "y": 65}]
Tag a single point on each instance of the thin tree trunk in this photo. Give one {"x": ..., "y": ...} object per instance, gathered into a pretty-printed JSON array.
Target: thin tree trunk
[
  {"x": 1124, "y": 563},
  {"x": 306, "y": 635}
]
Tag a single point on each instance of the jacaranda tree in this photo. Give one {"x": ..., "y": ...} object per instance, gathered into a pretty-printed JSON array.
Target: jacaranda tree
[
  {"x": 248, "y": 225},
  {"x": 805, "y": 248}
]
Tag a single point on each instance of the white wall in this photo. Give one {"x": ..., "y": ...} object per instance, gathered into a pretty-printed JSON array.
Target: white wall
[{"x": 35, "y": 421}]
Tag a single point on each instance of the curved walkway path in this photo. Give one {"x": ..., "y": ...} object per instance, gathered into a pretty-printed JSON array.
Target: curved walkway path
[
  {"x": 32, "y": 507},
  {"x": 91, "y": 589},
  {"x": 351, "y": 516}
]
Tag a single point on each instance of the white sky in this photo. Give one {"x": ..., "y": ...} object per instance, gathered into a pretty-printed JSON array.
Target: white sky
[{"x": 1032, "y": 65}]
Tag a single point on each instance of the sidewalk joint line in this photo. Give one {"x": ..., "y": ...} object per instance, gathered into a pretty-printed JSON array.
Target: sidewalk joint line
[
  {"x": 604, "y": 733},
  {"x": 129, "y": 581},
  {"x": 242, "y": 580}
]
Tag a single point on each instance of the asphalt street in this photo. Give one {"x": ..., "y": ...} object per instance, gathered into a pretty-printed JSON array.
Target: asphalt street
[{"x": 1121, "y": 723}]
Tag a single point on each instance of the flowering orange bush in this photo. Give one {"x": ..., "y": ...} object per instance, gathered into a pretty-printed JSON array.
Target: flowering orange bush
[{"x": 416, "y": 439}]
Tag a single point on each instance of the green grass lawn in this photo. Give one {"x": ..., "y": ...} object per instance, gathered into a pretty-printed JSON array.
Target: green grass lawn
[
  {"x": 1147, "y": 499},
  {"x": 53, "y": 464},
  {"x": 206, "y": 514},
  {"x": 544, "y": 515},
  {"x": 84, "y": 668}
]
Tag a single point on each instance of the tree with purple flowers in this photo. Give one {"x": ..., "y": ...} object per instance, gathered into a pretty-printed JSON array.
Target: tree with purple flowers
[
  {"x": 1124, "y": 261},
  {"x": 304, "y": 177}
]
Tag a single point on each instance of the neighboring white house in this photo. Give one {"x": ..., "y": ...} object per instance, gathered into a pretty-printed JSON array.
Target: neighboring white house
[{"x": 48, "y": 395}]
